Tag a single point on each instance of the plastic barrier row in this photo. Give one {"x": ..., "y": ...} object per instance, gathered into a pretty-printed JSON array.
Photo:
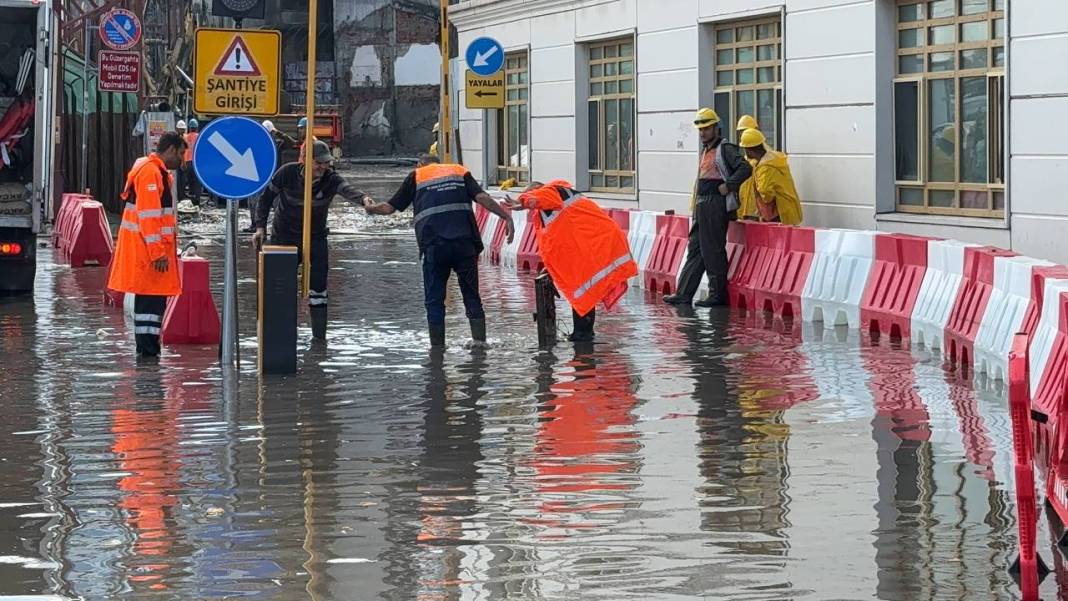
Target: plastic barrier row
[
  {"x": 986, "y": 309},
  {"x": 81, "y": 233}
]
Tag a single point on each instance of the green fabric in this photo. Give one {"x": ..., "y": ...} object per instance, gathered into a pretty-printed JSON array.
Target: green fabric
[{"x": 106, "y": 102}]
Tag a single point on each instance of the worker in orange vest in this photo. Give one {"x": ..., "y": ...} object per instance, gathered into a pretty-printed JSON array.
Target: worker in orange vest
[
  {"x": 146, "y": 257},
  {"x": 448, "y": 237},
  {"x": 584, "y": 250},
  {"x": 192, "y": 184}
]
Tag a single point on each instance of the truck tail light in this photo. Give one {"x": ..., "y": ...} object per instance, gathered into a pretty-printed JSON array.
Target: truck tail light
[{"x": 10, "y": 249}]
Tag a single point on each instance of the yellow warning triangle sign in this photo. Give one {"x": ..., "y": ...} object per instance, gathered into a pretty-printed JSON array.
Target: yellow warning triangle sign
[{"x": 237, "y": 60}]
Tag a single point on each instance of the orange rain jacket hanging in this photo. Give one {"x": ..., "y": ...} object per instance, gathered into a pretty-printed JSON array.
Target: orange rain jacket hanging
[
  {"x": 147, "y": 233},
  {"x": 584, "y": 250}
]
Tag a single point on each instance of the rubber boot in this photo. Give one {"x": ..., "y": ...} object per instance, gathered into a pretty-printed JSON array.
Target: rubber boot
[
  {"x": 582, "y": 326},
  {"x": 317, "y": 315},
  {"x": 437, "y": 336},
  {"x": 478, "y": 332},
  {"x": 677, "y": 299}
]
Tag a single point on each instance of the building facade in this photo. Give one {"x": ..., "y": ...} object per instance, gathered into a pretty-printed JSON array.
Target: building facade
[{"x": 935, "y": 118}]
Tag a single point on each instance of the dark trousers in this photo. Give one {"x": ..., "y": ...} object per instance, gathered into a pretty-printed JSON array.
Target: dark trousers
[
  {"x": 148, "y": 319},
  {"x": 253, "y": 202},
  {"x": 188, "y": 184},
  {"x": 707, "y": 250},
  {"x": 320, "y": 266},
  {"x": 440, "y": 260}
]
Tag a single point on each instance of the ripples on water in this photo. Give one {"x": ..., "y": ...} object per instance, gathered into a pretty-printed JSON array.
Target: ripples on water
[{"x": 687, "y": 456}]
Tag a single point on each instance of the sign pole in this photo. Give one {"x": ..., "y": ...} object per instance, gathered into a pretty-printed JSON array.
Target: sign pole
[
  {"x": 309, "y": 148},
  {"x": 229, "y": 321},
  {"x": 445, "y": 122},
  {"x": 83, "y": 171},
  {"x": 485, "y": 149}
]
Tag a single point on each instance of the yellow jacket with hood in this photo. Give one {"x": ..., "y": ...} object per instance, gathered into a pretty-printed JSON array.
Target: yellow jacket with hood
[{"x": 771, "y": 182}]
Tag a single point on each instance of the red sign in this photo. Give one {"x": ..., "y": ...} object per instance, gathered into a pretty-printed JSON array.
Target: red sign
[{"x": 119, "y": 71}]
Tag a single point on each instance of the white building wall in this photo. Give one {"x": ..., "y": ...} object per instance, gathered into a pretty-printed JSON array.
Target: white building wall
[
  {"x": 839, "y": 58},
  {"x": 1038, "y": 134}
]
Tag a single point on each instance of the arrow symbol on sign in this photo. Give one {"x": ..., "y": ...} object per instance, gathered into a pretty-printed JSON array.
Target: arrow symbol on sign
[
  {"x": 480, "y": 93},
  {"x": 480, "y": 59},
  {"x": 242, "y": 165}
]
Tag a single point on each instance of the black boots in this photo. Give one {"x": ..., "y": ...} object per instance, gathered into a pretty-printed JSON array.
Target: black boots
[
  {"x": 719, "y": 300},
  {"x": 317, "y": 316},
  {"x": 478, "y": 331},
  {"x": 582, "y": 326},
  {"x": 437, "y": 336},
  {"x": 677, "y": 299}
]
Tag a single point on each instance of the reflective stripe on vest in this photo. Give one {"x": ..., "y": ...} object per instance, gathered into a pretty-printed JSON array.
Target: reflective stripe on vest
[
  {"x": 549, "y": 217},
  {"x": 458, "y": 179},
  {"x": 602, "y": 274},
  {"x": 456, "y": 206},
  {"x": 129, "y": 225}
]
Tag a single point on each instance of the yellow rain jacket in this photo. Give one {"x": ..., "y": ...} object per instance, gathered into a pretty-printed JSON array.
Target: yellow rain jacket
[
  {"x": 747, "y": 208},
  {"x": 774, "y": 184}
]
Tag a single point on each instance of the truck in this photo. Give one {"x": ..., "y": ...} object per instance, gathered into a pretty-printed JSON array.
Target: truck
[{"x": 28, "y": 62}]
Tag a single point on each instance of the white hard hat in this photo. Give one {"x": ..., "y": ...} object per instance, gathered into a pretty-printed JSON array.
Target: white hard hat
[
  {"x": 181, "y": 125},
  {"x": 268, "y": 125}
]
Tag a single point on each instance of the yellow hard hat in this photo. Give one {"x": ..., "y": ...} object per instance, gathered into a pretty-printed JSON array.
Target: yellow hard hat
[
  {"x": 747, "y": 122},
  {"x": 949, "y": 134},
  {"x": 751, "y": 138},
  {"x": 436, "y": 128},
  {"x": 705, "y": 117}
]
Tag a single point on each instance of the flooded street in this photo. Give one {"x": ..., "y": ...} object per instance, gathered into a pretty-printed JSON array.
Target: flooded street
[{"x": 688, "y": 455}]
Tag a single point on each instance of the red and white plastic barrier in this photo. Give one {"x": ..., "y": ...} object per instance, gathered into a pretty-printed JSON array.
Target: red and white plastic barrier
[
  {"x": 938, "y": 293},
  {"x": 510, "y": 250},
  {"x": 842, "y": 262},
  {"x": 971, "y": 302},
  {"x": 1010, "y": 300},
  {"x": 192, "y": 318},
  {"x": 81, "y": 232},
  {"x": 661, "y": 272},
  {"x": 642, "y": 236},
  {"x": 894, "y": 285}
]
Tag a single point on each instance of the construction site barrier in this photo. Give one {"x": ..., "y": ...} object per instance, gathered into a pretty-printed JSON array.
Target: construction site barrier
[
  {"x": 661, "y": 271},
  {"x": 894, "y": 284},
  {"x": 1028, "y": 566},
  {"x": 641, "y": 236},
  {"x": 489, "y": 231},
  {"x": 529, "y": 257},
  {"x": 842, "y": 262},
  {"x": 778, "y": 287},
  {"x": 1010, "y": 301},
  {"x": 510, "y": 250},
  {"x": 481, "y": 215},
  {"x": 971, "y": 302},
  {"x": 1048, "y": 364},
  {"x": 82, "y": 234},
  {"x": 191, "y": 318},
  {"x": 939, "y": 291},
  {"x": 758, "y": 249}
]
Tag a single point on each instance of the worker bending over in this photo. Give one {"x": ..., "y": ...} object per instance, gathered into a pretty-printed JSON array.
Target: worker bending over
[
  {"x": 774, "y": 197},
  {"x": 285, "y": 194},
  {"x": 146, "y": 257},
  {"x": 584, "y": 250},
  {"x": 448, "y": 238}
]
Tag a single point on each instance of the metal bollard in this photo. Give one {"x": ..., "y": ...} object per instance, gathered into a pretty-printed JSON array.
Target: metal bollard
[
  {"x": 545, "y": 295},
  {"x": 277, "y": 324}
]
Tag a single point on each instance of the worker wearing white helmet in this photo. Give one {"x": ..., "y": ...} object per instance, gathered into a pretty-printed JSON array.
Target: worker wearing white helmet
[{"x": 282, "y": 141}]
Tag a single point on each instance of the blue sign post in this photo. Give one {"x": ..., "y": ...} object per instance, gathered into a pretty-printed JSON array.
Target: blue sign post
[
  {"x": 120, "y": 29},
  {"x": 485, "y": 56},
  {"x": 234, "y": 158}
]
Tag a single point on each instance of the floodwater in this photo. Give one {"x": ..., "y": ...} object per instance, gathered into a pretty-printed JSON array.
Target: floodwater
[{"x": 688, "y": 455}]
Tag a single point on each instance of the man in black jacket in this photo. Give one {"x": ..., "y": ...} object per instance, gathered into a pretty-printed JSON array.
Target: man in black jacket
[
  {"x": 285, "y": 195},
  {"x": 721, "y": 171}
]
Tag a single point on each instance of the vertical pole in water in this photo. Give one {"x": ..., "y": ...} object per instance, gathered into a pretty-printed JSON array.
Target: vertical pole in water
[
  {"x": 309, "y": 150},
  {"x": 485, "y": 149},
  {"x": 445, "y": 121},
  {"x": 83, "y": 172},
  {"x": 229, "y": 318},
  {"x": 545, "y": 307}
]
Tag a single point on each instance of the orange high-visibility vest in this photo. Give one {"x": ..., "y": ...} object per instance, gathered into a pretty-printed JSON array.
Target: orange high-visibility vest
[
  {"x": 190, "y": 143},
  {"x": 148, "y": 232},
  {"x": 584, "y": 250}
]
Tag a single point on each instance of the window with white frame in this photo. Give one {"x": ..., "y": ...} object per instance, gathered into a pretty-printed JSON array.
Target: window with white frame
[
  {"x": 749, "y": 75},
  {"x": 610, "y": 107},
  {"x": 513, "y": 135},
  {"x": 948, "y": 111}
]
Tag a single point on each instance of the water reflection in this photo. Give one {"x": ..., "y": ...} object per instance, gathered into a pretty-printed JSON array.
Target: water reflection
[{"x": 689, "y": 454}]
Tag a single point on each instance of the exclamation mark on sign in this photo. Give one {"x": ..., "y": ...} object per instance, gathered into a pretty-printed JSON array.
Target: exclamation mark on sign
[{"x": 237, "y": 58}]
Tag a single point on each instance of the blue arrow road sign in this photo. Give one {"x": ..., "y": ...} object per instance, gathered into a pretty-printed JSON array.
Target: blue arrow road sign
[
  {"x": 234, "y": 157},
  {"x": 485, "y": 56},
  {"x": 120, "y": 29}
]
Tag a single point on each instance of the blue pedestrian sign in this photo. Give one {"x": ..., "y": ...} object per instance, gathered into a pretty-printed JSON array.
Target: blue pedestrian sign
[
  {"x": 234, "y": 157},
  {"x": 485, "y": 56},
  {"x": 120, "y": 29}
]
